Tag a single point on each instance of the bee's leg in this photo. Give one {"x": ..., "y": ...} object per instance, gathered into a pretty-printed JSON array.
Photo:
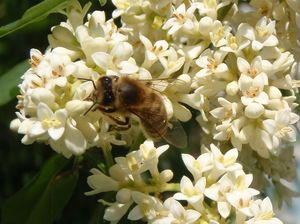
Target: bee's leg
[
  {"x": 119, "y": 128},
  {"x": 118, "y": 121},
  {"x": 120, "y": 125}
]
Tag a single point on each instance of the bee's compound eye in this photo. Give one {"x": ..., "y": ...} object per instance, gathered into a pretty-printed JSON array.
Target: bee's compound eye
[{"x": 106, "y": 80}]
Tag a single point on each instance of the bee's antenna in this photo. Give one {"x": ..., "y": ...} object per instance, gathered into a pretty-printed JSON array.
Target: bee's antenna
[
  {"x": 91, "y": 107},
  {"x": 90, "y": 80}
]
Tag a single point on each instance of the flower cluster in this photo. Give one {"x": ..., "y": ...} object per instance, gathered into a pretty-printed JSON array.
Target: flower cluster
[
  {"x": 219, "y": 189},
  {"x": 234, "y": 64}
]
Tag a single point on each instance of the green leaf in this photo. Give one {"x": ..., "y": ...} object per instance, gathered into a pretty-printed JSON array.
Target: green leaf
[
  {"x": 44, "y": 198},
  {"x": 102, "y": 2},
  {"x": 34, "y": 14},
  {"x": 298, "y": 101},
  {"x": 10, "y": 80}
]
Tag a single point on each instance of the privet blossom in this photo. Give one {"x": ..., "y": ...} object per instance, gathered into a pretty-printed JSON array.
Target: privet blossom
[
  {"x": 236, "y": 69},
  {"x": 215, "y": 176}
]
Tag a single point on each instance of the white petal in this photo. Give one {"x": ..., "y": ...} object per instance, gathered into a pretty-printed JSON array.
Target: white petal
[
  {"x": 256, "y": 45},
  {"x": 135, "y": 213},
  {"x": 192, "y": 216},
  {"x": 224, "y": 209},
  {"x": 185, "y": 183},
  {"x": 115, "y": 212},
  {"x": 74, "y": 139},
  {"x": 37, "y": 129},
  {"x": 56, "y": 133},
  {"x": 247, "y": 31},
  {"x": 44, "y": 95},
  {"x": 101, "y": 183},
  {"x": 269, "y": 125},
  {"x": 271, "y": 41},
  {"x": 122, "y": 51},
  {"x": 254, "y": 110},
  {"x": 101, "y": 59},
  {"x": 128, "y": 67},
  {"x": 212, "y": 192},
  {"x": 243, "y": 65}
]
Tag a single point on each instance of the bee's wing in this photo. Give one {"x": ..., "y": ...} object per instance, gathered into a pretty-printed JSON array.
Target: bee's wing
[
  {"x": 161, "y": 84},
  {"x": 157, "y": 128},
  {"x": 175, "y": 134}
]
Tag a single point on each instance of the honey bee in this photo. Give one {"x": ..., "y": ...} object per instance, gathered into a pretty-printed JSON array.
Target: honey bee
[{"x": 126, "y": 96}]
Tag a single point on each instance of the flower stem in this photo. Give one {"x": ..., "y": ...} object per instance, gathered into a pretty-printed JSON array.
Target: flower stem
[
  {"x": 162, "y": 188},
  {"x": 108, "y": 158}
]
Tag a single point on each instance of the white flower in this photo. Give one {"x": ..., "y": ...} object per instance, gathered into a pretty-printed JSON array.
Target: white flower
[
  {"x": 177, "y": 213},
  {"x": 147, "y": 206},
  {"x": 230, "y": 190},
  {"x": 49, "y": 122},
  {"x": 191, "y": 193},
  {"x": 263, "y": 212},
  {"x": 116, "y": 211},
  {"x": 258, "y": 139},
  {"x": 153, "y": 52},
  {"x": 211, "y": 63},
  {"x": 211, "y": 7},
  {"x": 149, "y": 155},
  {"x": 171, "y": 63},
  {"x": 219, "y": 33},
  {"x": 223, "y": 163},
  {"x": 229, "y": 131},
  {"x": 253, "y": 89},
  {"x": 182, "y": 19},
  {"x": 235, "y": 44},
  {"x": 101, "y": 183},
  {"x": 227, "y": 111},
  {"x": 280, "y": 128},
  {"x": 260, "y": 36},
  {"x": 257, "y": 67},
  {"x": 197, "y": 166}
]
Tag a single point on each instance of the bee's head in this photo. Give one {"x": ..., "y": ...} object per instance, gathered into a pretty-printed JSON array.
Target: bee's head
[{"x": 103, "y": 93}]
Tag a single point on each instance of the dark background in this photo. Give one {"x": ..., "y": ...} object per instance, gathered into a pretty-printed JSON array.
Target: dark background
[{"x": 20, "y": 163}]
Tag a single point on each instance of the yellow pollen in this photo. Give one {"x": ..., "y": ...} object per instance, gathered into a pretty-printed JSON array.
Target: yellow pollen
[
  {"x": 219, "y": 34},
  {"x": 171, "y": 64},
  {"x": 252, "y": 92},
  {"x": 19, "y": 106},
  {"x": 252, "y": 72},
  {"x": 36, "y": 84},
  {"x": 266, "y": 215},
  {"x": 228, "y": 133},
  {"x": 20, "y": 97},
  {"x": 212, "y": 63},
  {"x": 232, "y": 43},
  {"x": 48, "y": 123},
  {"x": 264, "y": 10},
  {"x": 244, "y": 202},
  {"x": 240, "y": 183},
  {"x": 262, "y": 32},
  {"x": 228, "y": 114},
  {"x": 189, "y": 191},
  {"x": 132, "y": 163},
  {"x": 283, "y": 131},
  {"x": 157, "y": 22},
  {"x": 197, "y": 165},
  {"x": 34, "y": 61},
  {"x": 179, "y": 17}
]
